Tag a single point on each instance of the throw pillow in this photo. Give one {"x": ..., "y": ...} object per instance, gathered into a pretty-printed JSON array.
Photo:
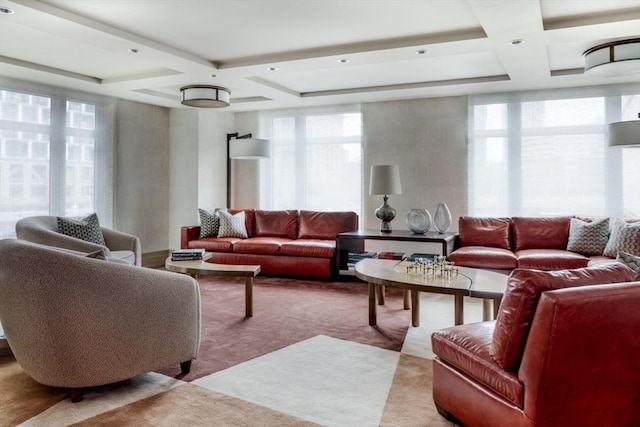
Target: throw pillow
[
  {"x": 588, "y": 238},
  {"x": 209, "y": 223},
  {"x": 87, "y": 229},
  {"x": 99, "y": 254},
  {"x": 232, "y": 225},
  {"x": 521, "y": 297},
  {"x": 631, "y": 261},
  {"x": 625, "y": 237}
]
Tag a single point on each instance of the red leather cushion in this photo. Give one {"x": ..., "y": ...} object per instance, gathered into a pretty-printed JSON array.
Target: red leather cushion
[
  {"x": 483, "y": 257},
  {"x": 520, "y": 300},
  {"x": 259, "y": 245},
  {"x": 276, "y": 224},
  {"x": 326, "y": 225},
  {"x": 310, "y": 248},
  {"x": 467, "y": 347},
  {"x": 550, "y": 259},
  {"x": 540, "y": 233},
  {"x": 214, "y": 244},
  {"x": 493, "y": 232}
]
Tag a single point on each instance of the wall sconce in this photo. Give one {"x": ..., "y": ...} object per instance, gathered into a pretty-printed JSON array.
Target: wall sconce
[
  {"x": 384, "y": 180},
  {"x": 244, "y": 147}
]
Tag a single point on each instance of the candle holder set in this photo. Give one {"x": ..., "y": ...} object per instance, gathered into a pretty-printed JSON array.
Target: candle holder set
[{"x": 436, "y": 267}]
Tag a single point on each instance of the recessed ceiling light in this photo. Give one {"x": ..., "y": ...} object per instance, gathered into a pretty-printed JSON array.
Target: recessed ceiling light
[
  {"x": 214, "y": 75},
  {"x": 421, "y": 51},
  {"x": 343, "y": 60},
  {"x": 516, "y": 42},
  {"x": 273, "y": 69},
  {"x": 134, "y": 50},
  {"x": 6, "y": 10}
]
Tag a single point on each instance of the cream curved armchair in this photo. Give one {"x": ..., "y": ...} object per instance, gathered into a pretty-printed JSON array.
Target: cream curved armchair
[
  {"x": 77, "y": 322},
  {"x": 43, "y": 229}
]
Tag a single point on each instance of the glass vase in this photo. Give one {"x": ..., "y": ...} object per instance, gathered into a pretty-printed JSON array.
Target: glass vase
[
  {"x": 419, "y": 221},
  {"x": 442, "y": 218}
]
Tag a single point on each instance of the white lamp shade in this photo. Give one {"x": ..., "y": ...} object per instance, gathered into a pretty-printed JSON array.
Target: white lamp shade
[
  {"x": 624, "y": 133},
  {"x": 385, "y": 179},
  {"x": 249, "y": 148}
]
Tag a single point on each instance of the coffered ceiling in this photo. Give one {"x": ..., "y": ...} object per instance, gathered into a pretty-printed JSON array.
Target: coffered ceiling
[{"x": 291, "y": 53}]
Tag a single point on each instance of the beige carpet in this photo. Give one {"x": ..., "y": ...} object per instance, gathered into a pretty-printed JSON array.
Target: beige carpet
[{"x": 321, "y": 380}]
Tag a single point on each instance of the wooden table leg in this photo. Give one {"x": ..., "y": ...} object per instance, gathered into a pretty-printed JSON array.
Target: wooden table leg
[
  {"x": 415, "y": 308},
  {"x": 458, "y": 311},
  {"x": 486, "y": 309},
  {"x": 405, "y": 299},
  {"x": 372, "y": 304},
  {"x": 248, "y": 297},
  {"x": 381, "y": 294}
]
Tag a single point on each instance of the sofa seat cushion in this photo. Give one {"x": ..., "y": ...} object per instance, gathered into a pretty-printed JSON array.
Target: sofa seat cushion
[
  {"x": 550, "y": 259},
  {"x": 600, "y": 259},
  {"x": 124, "y": 257},
  {"x": 310, "y": 248},
  {"x": 467, "y": 347},
  {"x": 214, "y": 244},
  {"x": 483, "y": 257},
  {"x": 540, "y": 233},
  {"x": 521, "y": 297},
  {"x": 260, "y": 245},
  {"x": 276, "y": 224},
  {"x": 493, "y": 232}
]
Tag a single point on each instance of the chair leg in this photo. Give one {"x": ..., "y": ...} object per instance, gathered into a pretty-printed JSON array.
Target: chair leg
[
  {"x": 185, "y": 367},
  {"x": 77, "y": 395}
]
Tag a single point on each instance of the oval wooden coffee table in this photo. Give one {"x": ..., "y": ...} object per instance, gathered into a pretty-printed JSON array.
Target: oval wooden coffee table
[
  {"x": 193, "y": 268},
  {"x": 473, "y": 282}
]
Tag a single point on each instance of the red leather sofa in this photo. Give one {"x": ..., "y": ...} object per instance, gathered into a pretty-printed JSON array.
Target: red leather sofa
[
  {"x": 563, "y": 351},
  {"x": 288, "y": 242},
  {"x": 518, "y": 242}
]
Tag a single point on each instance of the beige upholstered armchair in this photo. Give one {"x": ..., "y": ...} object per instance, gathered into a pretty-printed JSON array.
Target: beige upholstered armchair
[
  {"x": 120, "y": 246},
  {"x": 78, "y": 322}
]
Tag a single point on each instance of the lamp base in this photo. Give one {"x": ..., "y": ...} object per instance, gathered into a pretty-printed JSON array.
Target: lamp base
[{"x": 386, "y": 214}]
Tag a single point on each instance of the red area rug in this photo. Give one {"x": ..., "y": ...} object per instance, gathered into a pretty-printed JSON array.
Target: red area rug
[{"x": 287, "y": 311}]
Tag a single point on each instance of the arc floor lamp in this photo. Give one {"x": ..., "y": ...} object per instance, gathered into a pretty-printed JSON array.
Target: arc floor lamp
[{"x": 244, "y": 147}]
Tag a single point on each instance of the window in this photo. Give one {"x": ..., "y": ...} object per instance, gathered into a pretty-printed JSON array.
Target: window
[
  {"x": 316, "y": 160},
  {"x": 47, "y": 161},
  {"x": 550, "y": 157}
]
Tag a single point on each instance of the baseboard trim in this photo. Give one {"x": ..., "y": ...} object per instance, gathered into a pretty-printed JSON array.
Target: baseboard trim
[{"x": 155, "y": 259}]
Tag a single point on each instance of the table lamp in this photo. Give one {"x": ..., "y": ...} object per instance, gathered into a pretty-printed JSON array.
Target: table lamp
[{"x": 385, "y": 180}]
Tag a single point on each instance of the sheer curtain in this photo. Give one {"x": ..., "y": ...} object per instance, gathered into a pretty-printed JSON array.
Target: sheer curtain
[
  {"x": 316, "y": 159},
  {"x": 55, "y": 154},
  {"x": 530, "y": 157}
]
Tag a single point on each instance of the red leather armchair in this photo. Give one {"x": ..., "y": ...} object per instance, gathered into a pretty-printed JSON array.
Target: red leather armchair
[{"x": 570, "y": 359}]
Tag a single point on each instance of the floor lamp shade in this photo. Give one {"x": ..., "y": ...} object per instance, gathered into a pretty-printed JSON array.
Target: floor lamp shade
[
  {"x": 384, "y": 180},
  {"x": 624, "y": 133},
  {"x": 249, "y": 148}
]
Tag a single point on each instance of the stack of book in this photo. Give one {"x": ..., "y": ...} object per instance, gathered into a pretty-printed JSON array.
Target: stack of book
[
  {"x": 422, "y": 257},
  {"x": 187, "y": 254},
  {"x": 355, "y": 257},
  {"x": 391, "y": 255}
]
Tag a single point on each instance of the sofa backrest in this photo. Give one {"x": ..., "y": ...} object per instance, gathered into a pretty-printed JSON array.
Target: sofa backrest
[
  {"x": 521, "y": 297},
  {"x": 276, "y": 224},
  {"x": 492, "y": 232},
  {"x": 540, "y": 233},
  {"x": 580, "y": 362},
  {"x": 326, "y": 225}
]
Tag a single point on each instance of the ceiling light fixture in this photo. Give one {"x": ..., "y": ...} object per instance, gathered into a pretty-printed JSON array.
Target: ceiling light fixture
[
  {"x": 6, "y": 10},
  {"x": 205, "y": 96},
  {"x": 614, "y": 58}
]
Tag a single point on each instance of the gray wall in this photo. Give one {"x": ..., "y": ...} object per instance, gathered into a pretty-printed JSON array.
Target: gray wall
[
  {"x": 141, "y": 176},
  {"x": 427, "y": 138}
]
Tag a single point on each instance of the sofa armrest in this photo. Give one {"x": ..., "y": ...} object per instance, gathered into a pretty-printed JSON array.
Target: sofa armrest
[
  {"x": 581, "y": 356},
  {"x": 187, "y": 234},
  {"x": 119, "y": 241},
  {"x": 47, "y": 237}
]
